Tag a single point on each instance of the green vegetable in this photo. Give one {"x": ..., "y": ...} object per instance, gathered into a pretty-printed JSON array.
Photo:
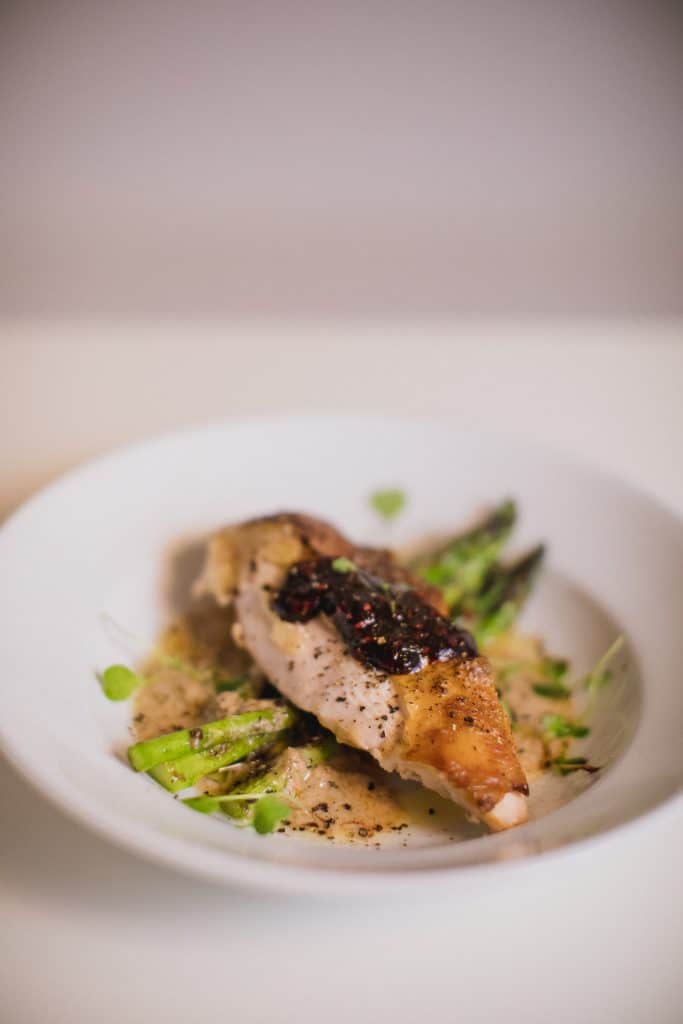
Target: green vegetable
[
  {"x": 231, "y": 685},
  {"x": 185, "y": 771},
  {"x": 388, "y": 503},
  {"x": 204, "y": 804},
  {"x": 555, "y": 669},
  {"x": 556, "y": 691},
  {"x": 269, "y": 812},
  {"x": 275, "y": 778},
  {"x": 567, "y": 765},
  {"x": 174, "y": 745},
  {"x": 272, "y": 780},
  {"x": 119, "y": 682},
  {"x": 552, "y": 669},
  {"x": 600, "y": 674},
  {"x": 495, "y": 623},
  {"x": 558, "y": 727},
  {"x": 499, "y": 602},
  {"x": 344, "y": 565},
  {"x": 460, "y": 567},
  {"x": 261, "y": 801}
]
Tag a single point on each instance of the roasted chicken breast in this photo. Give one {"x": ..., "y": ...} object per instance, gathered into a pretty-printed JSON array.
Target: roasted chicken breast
[{"x": 345, "y": 633}]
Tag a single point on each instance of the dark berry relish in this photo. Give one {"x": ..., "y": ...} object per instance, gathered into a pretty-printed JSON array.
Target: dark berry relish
[{"x": 385, "y": 625}]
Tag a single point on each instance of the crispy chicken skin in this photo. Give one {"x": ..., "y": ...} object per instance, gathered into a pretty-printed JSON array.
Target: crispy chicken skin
[{"x": 442, "y": 725}]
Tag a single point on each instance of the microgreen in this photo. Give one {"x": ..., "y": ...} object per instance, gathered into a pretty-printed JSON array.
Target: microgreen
[
  {"x": 230, "y": 685},
  {"x": 204, "y": 804},
  {"x": 118, "y": 682},
  {"x": 558, "y": 727},
  {"x": 600, "y": 674},
  {"x": 555, "y": 669},
  {"x": 567, "y": 765},
  {"x": 389, "y": 503},
  {"x": 344, "y": 565},
  {"x": 269, "y": 809},
  {"x": 555, "y": 691},
  {"x": 269, "y": 812},
  {"x": 496, "y": 623}
]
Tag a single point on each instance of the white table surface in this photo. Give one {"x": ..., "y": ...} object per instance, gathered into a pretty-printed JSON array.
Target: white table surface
[{"x": 92, "y": 934}]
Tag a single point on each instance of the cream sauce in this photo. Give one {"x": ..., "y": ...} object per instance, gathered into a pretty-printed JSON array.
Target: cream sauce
[
  {"x": 192, "y": 654},
  {"x": 517, "y": 659},
  {"x": 346, "y": 801},
  {"x": 349, "y": 800}
]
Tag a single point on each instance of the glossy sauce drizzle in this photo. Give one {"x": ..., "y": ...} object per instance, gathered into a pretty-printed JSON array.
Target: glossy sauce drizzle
[{"x": 388, "y": 626}]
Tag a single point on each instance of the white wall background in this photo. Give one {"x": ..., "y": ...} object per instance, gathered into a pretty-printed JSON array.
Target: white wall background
[{"x": 504, "y": 156}]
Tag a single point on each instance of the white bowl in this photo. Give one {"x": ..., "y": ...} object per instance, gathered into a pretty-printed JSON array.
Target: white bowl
[{"x": 99, "y": 541}]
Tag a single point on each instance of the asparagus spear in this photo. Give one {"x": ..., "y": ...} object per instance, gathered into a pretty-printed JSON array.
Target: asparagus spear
[
  {"x": 275, "y": 778},
  {"x": 184, "y": 772},
  {"x": 460, "y": 567},
  {"x": 499, "y": 603},
  {"x": 175, "y": 745}
]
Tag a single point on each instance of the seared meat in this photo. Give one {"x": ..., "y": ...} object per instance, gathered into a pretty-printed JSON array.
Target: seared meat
[{"x": 441, "y": 724}]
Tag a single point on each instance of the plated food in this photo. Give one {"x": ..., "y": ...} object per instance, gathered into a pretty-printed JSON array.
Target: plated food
[
  {"x": 123, "y": 539},
  {"x": 342, "y": 691}
]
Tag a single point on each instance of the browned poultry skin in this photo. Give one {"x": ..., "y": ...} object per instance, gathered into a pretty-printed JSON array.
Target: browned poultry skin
[
  {"x": 442, "y": 725},
  {"x": 454, "y": 722}
]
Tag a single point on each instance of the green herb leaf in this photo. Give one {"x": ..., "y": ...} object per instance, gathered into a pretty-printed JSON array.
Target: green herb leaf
[
  {"x": 229, "y": 685},
  {"x": 555, "y": 669},
  {"x": 566, "y": 765},
  {"x": 203, "y": 804},
  {"x": 600, "y": 673},
  {"x": 388, "y": 503},
  {"x": 557, "y": 727},
  {"x": 344, "y": 565},
  {"x": 496, "y": 623},
  {"x": 118, "y": 682},
  {"x": 556, "y": 691},
  {"x": 269, "y": 812}
]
